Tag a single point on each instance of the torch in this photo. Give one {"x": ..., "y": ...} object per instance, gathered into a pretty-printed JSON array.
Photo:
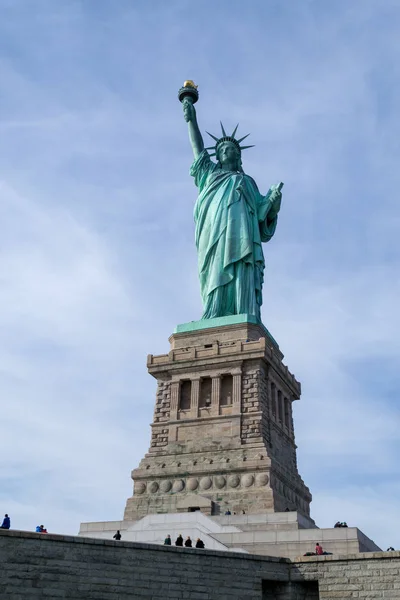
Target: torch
[{"x": 188, "y": 93}]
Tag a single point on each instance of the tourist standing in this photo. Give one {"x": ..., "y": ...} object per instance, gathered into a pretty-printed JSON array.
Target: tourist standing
[
  {"x": 117, "y": 536},
  {"x": 167, "y": 541},
  {"x": 188, "y": 542},
  {"x": 179, "y": 540}
]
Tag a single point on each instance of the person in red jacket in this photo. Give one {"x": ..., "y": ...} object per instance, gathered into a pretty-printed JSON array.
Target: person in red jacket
[{"x": 318, "y": 549}]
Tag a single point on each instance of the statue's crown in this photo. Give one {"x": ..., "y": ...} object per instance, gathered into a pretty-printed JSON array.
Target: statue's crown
[{"x": 227, "y": 138}]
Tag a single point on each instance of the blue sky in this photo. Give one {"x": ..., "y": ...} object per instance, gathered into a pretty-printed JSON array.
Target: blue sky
[{"x": 97, "y": 256}]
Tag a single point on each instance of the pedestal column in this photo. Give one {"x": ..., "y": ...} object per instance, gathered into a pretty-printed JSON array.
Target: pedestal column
[
  {"x": 194, "y": 399},
  {"x": 174, "y": 400},
  {"x": 237, "y": 392},
  {"x": 215, "y": 395}
]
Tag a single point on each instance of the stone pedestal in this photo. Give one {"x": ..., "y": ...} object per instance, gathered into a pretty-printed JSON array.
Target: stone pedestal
[{"x": 222, "y": 434}]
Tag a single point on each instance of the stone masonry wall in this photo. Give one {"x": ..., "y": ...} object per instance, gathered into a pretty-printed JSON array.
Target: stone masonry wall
[
  {"x": 251, "y": 382},
  {"x": 159, "y": 434},
  {"x": 163, "y": 402},
  {"x": 372, "y": 576},
  {"x": 38, "y": 566},
  {"x": 159, "y": 437}
]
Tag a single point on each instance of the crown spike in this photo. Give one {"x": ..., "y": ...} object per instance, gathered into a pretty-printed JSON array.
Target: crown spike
[
  {"x": 213, "y": 136},
  {"x": 223, "y": 130},
  {"x": 235, "y": 130},
  {"x": 243, "y": 138},
  {"x": 210, "y": 148},
  {"x": 245, "y": 147},
  {"x": 213, "y": 154}
]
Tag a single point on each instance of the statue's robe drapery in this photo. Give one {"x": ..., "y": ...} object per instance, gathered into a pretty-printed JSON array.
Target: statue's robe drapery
[{"x": 232, "y": 220}]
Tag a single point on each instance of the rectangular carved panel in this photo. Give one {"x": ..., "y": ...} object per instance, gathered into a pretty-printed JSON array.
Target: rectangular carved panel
[{"x": 215, "y": 431}]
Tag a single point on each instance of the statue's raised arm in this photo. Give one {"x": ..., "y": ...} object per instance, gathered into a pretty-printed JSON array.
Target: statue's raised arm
[
  {"x": 232, "y": 220},
  {"x": 188, "y": 95}
]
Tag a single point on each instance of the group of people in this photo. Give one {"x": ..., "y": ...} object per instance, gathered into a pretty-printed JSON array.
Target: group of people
[
  {"x": 188, "y": 542},
  {"x": 168, "y": 542},
  {"x": 341, "y": 524},
  {"x": 6, "y": 524},
  {"x": 228, "y": 512}
]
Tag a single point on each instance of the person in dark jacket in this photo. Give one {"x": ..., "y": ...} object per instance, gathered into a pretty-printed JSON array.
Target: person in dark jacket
[
  {"x": 167, "y": 541},
  {"x": 188, "y": 542},
  {"x": 199, "y": 543},
  {"x": 179, "y": 540},
  {"x": 117, "y": 536},
  {"x": 6, "y": 524}
]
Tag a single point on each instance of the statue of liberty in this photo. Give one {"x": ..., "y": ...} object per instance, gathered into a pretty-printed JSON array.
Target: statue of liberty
[{"x": 232, "y": 220}]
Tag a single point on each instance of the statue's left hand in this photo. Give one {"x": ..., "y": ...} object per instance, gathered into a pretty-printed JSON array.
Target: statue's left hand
[{"x": 276, "y": 199}]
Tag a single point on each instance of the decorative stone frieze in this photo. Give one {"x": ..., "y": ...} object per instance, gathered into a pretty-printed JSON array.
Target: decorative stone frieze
[
  {"x": 166, "y": 485},
  {"x": 152, "y": 487},
  {"x": 262, "y": 479},
  {"x": 233, "y": 481},
  {"x": 205, "y": 483},
  {"x": 140, "y": 487},
  {"x": 192, "y": 484},
  {"x": 178, "y": 485},
  {"x": 220, "y": 481}
]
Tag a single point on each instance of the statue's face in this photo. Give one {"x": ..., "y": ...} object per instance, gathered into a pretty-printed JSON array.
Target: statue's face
[{"x": 227, "y": 153}]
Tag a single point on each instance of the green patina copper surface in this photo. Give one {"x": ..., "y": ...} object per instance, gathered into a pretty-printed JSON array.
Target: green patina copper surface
[
  {"x": 220, "y": 322},
  {"x": 232, "y": 220}
]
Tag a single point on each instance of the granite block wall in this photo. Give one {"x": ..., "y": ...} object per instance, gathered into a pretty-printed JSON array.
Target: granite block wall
[
  {"x": 35, "y": 566},
  {"x": 368, "y": 575}
]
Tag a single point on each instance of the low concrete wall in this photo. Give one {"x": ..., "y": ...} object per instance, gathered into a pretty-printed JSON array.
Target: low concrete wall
[{"x": 37, "y": 566}]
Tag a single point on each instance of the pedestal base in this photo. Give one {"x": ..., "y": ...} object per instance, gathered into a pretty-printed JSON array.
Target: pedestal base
[{"x": 222, "y": 425}]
